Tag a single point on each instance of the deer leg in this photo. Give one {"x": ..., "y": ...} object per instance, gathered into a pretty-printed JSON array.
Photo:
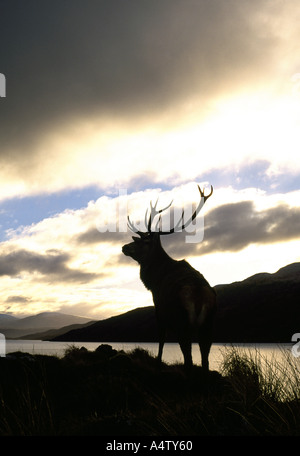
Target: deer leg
[
  {"x": 205, "y": 342},
  {"x": 186, "y": 348},
  {"x": 204, "y": 349},
  {"x": 161, "y": 336},
  {"x": 160, "y": 351}
]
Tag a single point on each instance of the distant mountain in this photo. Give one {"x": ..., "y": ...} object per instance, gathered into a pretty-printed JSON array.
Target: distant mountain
[
  {"x": 18, "y": 327},
  {"x": 7, "y": 319},
  {"x": 51, "y": 333},
  {"x": 263, "y": 308}
]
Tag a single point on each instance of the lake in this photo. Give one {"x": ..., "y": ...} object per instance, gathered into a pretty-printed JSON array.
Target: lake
[{"x": 171, "y": 354}]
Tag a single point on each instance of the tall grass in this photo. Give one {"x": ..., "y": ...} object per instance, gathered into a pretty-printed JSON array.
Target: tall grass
[
  {"x": 266, "y": 390},
  {"x": 25, "y": 407}
]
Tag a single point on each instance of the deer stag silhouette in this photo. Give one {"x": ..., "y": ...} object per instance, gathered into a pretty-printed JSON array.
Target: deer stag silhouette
[{"x": 184, "y": 301}]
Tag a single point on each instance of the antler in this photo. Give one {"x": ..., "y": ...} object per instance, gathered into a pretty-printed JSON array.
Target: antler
[
  {"x": 196, "y": 212},
  {"x": 155, "y": 212}
]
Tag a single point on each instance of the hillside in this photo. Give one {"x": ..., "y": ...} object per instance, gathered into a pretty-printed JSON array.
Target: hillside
[
  {"x": 261, "y": 308},
  {"x": 136, "y": 325}
]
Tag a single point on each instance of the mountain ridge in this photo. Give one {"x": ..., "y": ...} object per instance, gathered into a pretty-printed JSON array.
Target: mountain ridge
[{"x": 43, "y": 321}]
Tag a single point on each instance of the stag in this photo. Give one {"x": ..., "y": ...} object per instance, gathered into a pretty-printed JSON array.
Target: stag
[{"x": 184, "y": 301}]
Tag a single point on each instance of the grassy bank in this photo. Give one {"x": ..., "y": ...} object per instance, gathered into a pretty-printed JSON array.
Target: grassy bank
[{"x": 109, "y": 392}]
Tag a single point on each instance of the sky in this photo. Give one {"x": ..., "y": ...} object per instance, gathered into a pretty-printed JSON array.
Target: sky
[{"x": 110, "y": 104}]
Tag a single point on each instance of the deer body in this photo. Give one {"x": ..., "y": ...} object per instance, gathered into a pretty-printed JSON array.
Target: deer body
[{"x": 184, "y": 301}]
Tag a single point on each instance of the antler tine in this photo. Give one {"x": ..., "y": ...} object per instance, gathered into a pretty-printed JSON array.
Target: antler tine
[
  {"x": 147, "y": 222},
  {"x": 132, "y": 227},
  {"x": 206, "y": 196},
  {"x": 157, "y": 224},
  {"x": 178, "y": 223},
  {"x": 154, "y": 212}
]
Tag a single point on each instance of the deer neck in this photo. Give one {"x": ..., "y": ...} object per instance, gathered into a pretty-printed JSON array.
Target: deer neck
[{"x": 153, "y": 270}]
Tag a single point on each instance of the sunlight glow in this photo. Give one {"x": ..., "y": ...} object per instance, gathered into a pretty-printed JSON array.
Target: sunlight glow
[{"x": 236, "y": 130}]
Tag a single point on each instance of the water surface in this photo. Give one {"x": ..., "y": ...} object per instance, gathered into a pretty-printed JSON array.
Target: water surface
[{"x": 172, "y": 353}]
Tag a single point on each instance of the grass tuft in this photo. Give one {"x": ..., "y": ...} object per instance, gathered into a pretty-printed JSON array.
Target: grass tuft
[{"x": 267, "y": 391}]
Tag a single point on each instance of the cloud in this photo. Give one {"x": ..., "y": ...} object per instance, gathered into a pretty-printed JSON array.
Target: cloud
[
  {"x": 52, "y": 266},
  {"x": 17, "y": 299},
  {"x": 79, "y": 77},
  {"x": 254, "y": 173},
  {"x": 124, "y": 57},
  {"x": 93, "y": 236},
  {"x": 233, "y": 227}
]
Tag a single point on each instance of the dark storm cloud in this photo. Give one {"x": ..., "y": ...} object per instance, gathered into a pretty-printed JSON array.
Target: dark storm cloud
[
  {"x": 69, "y": 59},
  {"x": 93, "y": 236},
  {"x": 232, "y": 227},
  {"x": 18, "y": 299},
  {"x": 52, "y": 266}
]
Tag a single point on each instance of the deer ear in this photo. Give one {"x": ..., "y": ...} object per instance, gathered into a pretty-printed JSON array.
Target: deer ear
[{"x": 136, "y": 239}]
